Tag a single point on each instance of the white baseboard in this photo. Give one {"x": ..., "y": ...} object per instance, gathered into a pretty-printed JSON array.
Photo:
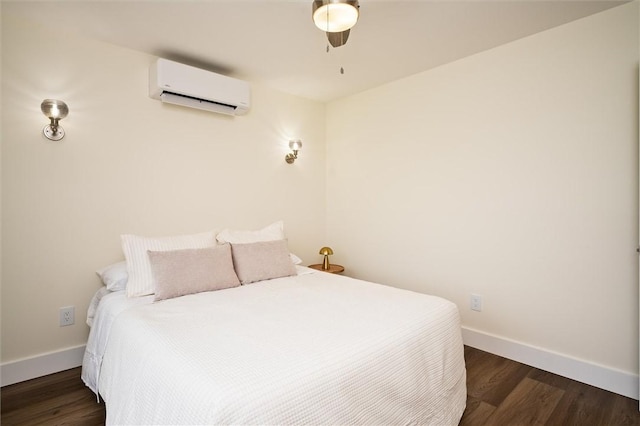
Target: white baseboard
[
  {"x": 41, "y": 365},
  {"x": 592, "y": 374}
]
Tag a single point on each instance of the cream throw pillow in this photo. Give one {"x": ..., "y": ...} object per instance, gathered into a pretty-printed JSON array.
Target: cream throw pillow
[
  {"x": 181, "y": 272},
  {"x": 135, "y": 252},
  {"x": 262, "y": 261}
]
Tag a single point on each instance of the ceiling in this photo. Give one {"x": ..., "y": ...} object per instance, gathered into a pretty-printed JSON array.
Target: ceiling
[{"x": 275, "y": 41}]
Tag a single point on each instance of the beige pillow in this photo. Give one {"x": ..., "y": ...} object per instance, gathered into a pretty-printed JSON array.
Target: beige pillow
[
  {"x": 188, "y": 271},
  {"x": 135, "y": 250},
  {"x": 262, "y": 261}
]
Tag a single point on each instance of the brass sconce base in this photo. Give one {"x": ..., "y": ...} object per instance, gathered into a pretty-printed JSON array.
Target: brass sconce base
[{"x": 290, "y": 158}]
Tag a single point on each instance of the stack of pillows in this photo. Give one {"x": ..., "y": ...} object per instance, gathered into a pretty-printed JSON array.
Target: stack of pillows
[{"x": 175, "y": 266}]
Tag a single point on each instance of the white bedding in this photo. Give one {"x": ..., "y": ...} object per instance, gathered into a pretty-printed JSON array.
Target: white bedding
[
  {"x": 309, "y": 349},
  {"x": 100, "y": 319}
]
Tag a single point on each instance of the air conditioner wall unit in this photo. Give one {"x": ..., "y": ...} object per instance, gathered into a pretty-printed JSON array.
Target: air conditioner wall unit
[{"x": 180, "y": 84}]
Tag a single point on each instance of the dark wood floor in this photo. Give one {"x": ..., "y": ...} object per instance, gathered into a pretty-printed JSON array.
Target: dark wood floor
[
  {"x": 505, "y": 392},
  {"x": 57, "y": 399},
  {"x": 500, "y": 392}
]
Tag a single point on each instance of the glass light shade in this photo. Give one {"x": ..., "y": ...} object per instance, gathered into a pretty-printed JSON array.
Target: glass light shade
[
  {"x": 335, "y": 17},
  {"x": 54, "y": 109},
  {"x": 295, "y": 145}
]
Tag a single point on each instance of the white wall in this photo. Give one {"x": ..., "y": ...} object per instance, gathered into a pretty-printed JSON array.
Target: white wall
[
  {"x": 129, "y": 164},
  {"x": 511, "y": 174}
]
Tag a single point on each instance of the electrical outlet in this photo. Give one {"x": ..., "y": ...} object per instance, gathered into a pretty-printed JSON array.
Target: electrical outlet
[
  {"x": 476, "y": 303},
  {"x": 67, "y": 316}
]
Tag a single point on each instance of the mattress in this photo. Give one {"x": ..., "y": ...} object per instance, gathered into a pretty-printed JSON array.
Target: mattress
[{"x": 315, "y": 348}]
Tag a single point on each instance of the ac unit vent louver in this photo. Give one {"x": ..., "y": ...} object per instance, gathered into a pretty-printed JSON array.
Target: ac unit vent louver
[{"x": 192, "y": 87}]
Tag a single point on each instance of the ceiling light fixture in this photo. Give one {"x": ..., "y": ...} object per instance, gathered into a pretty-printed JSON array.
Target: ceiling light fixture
[{"x": 336, "y": 18}]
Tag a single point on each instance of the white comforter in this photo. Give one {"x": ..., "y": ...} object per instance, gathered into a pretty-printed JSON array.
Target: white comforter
[
  {"x": 100, "y": 319},
  {"x": 310, "y": 349}
]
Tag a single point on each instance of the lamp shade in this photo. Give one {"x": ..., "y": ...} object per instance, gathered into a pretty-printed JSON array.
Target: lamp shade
[
  {"x": 334, "y": 16},
  {"x": 325, "y": 251},
  {"x": 295, "y": 144},
  {"x": 54, "y": 109}
]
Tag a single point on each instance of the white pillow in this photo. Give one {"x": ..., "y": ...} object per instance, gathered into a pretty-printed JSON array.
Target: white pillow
[
  {"x": 135, "y": 251},
  {"x": 275, "y": 231},
  {"x": 272, "y": 232},
  {"x": 114, "y": 276}
]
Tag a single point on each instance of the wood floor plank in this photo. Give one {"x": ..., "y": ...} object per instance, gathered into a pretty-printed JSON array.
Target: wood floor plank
[
  {"x": 530, "y": 403},
  {"x": 41, "y": 389},
  {"x": 584, "y": 405},
  {"x": 550, "y": 379},
  {"x": 57, "y": 399},
  {"x": 624, "y": 412},
  {"x": 476, "y": 413},
  {"x": 73, "y": 404},
  {"x": 492, "y": 379}
]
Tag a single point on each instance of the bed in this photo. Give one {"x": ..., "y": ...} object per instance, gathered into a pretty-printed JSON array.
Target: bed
[{"x": 307, "y": 348}]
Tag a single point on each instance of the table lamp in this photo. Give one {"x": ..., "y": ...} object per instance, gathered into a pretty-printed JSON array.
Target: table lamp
[{"x": 326, "y": 251}]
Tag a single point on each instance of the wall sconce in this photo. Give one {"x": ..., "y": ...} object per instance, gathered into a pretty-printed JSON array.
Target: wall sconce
[
  {"x": 56, "y": 110},
  {"x": 326, "y": 251},
  {"x": 295, "y": 146}
]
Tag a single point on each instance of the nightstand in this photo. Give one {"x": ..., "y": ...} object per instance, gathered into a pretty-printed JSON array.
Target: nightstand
[{"x": 333, "y": 269}]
